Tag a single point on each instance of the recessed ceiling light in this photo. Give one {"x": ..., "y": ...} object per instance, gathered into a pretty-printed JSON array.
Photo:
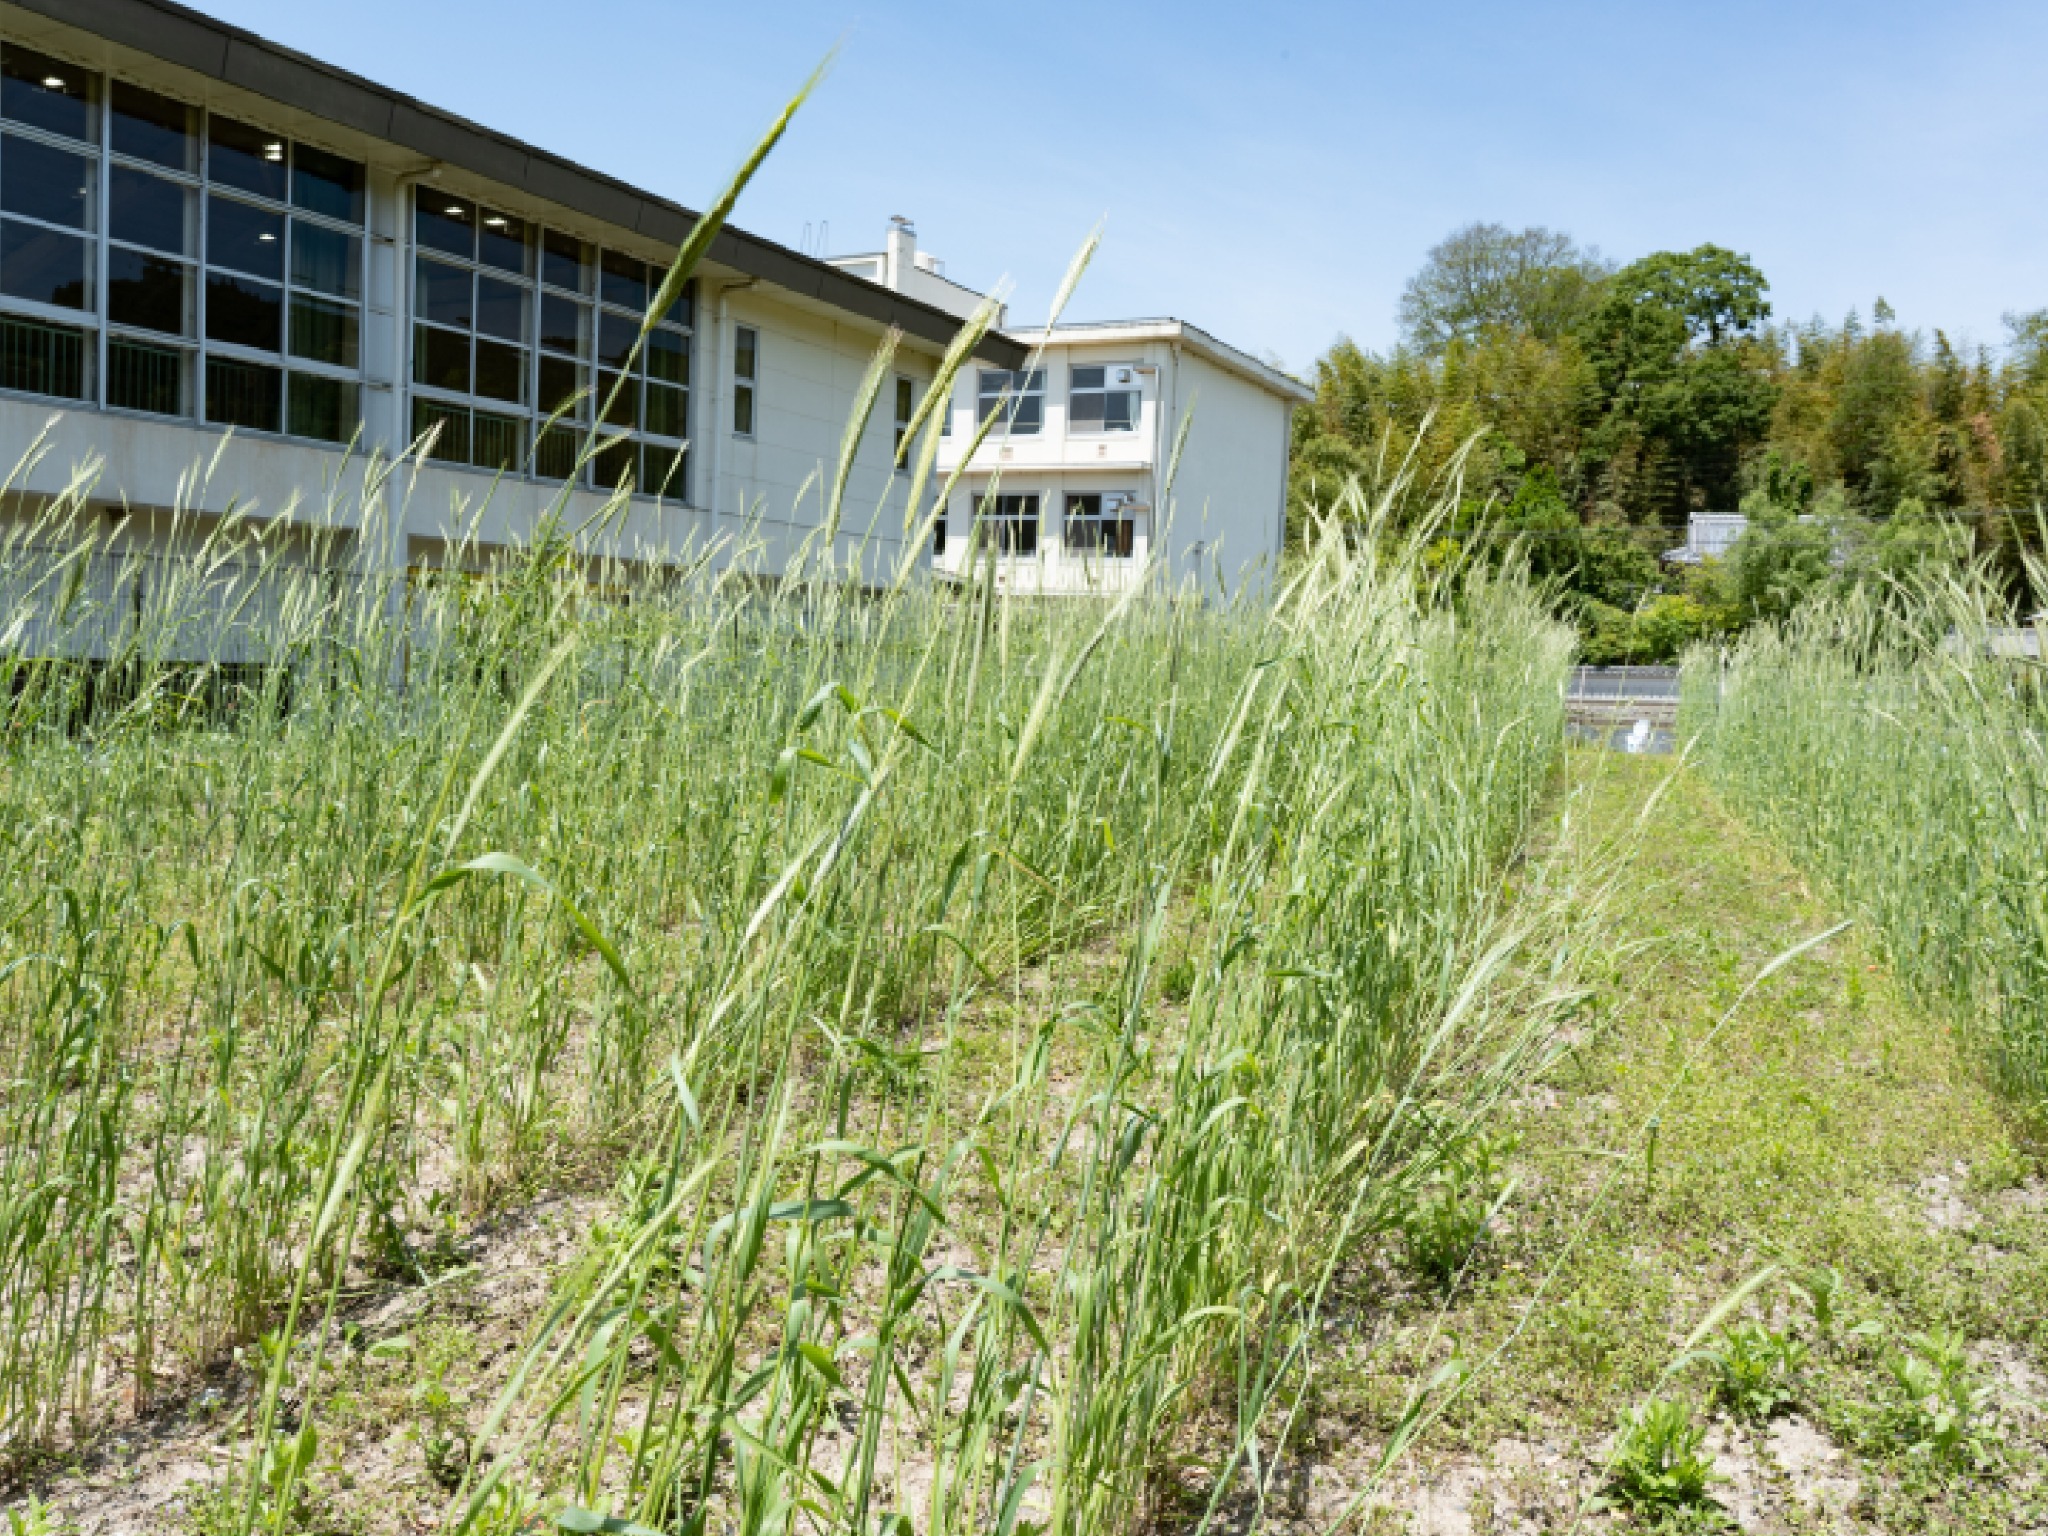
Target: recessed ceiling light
[
  {"x": 454, "y": 210},
  {"x": 266, "y": 239},
  {"x": 495, "y": 223},
  {"x": 54, "y": 82},
  {"x": 273, "y": 151}
]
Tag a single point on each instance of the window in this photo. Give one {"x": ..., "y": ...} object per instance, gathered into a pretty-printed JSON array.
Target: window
[
  {"x": 1010, "y": 524},
  {"x": 1024, "y": 394},
  {"x": 1104, "y": 399},
  {"x": 523, "y": 335},
  {"x": 156, "y": 259},
  {"x": 906, "y": 404},
  {"x": 746, "y": 362},
  {"x": 283, "y": 273},
  {"x": 1099, "y": 525}
]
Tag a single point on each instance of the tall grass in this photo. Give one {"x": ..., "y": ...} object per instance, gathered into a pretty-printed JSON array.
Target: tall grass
[
  {"x": 997, "y": 1024},
  {"x": 1895, "y": 743},
  {"x": 754, "y": 898}
]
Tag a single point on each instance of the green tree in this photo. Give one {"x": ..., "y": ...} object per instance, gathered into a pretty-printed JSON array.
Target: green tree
[
  {"x": 1682, "y": 386},
  {"x": 1487, "y": 278}
]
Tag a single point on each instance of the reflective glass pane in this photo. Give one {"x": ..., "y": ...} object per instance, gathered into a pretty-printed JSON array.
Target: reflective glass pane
[
  {"x": 443, "y": 294},
  {"x": 244, "y": 237},
  {"x": 1120, "y": 411},
  {"x": 684, "y": 311},
  {"x": 497, "y": 442},
  {"x": 49, "y": 94},
  {"x": 1029, "y": 414},
  {"x": 42, "y": 359},
  {"x": 323, "y": 331},
  {"x": 624, "y": 411},
  {"x": 745, "y": 353},
  {"x": 500, "y": 371},
  {"x": 321, "y": 408},
  {"x": 625, "y": 282},
  {"x": 743, "y": 410},
  {"x": 564, "y": 325},
  {"x": 500, "y": 308},
  {"x": 441, "y": 358},
  {"x": 451, "y": 440},
  {"x": 46, "y": 183},
  {"x": 615, "y": 338},
  {"x": 151, "y": 293},
  {"x": 326, "y": 260},
  {"x": 243, "y": 394},
  {"x": 246, "y": 313},
  {"x": 668, "y": 410},
  {"x": 613, "y": 465},
  {"x": 152, "y": 127},
  {"x": 668, "y": 357},
  {"x": 253, "y": 159},
  {"x": 560, "y": 379},
  {"x": 150, "y": 210},
  {"x": 142, "y": 377},
  {"x": 554, "y": 455},
  {"x": 565, "y": 261},
  {"x": 662, "y": 470},
  {"x": 45, "y": 265},
  {"x": 505, "y": 243},
  {"x": 329, "y": 184},
  {"x": 446, "y": 223},
  {"x": 1087, "y": 378},
  {"x": 1084, "y": 413}
]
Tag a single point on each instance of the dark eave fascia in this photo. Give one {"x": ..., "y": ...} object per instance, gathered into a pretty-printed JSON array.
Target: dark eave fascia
[{"x": 184, "y": 37}]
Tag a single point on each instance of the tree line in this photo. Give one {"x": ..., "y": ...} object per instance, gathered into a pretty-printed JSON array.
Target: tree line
[{"x": 1587, "y": 409}]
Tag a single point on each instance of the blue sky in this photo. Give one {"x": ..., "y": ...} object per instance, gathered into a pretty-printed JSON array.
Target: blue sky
[{"x": 1275, "y": 171}]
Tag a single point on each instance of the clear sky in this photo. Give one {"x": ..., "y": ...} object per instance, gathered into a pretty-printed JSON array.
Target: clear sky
[{"x": 1273, "y": 170}]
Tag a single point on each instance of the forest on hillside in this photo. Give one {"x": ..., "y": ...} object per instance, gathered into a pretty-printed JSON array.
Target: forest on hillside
[{"x": 1588, "y": 409}]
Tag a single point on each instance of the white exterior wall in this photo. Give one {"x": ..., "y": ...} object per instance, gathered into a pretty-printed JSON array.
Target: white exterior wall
[
  {"x": 1229, "y": 498},
  {"x": 773, "y": 487}
]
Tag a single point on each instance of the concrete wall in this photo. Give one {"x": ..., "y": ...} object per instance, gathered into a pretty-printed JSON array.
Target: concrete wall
[{"x": 1229, "y": 498}]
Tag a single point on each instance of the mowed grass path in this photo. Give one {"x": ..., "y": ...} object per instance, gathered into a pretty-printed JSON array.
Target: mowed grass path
[{"x": 1827, "y": 1121}]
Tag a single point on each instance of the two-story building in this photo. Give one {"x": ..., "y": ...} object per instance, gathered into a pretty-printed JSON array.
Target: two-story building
[{"x": 1069, "y": 490}]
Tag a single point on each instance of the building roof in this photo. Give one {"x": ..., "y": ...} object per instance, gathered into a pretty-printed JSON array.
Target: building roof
[
  {"x": 239, "y": 58},
  {"x": 1114, "y": 332}
]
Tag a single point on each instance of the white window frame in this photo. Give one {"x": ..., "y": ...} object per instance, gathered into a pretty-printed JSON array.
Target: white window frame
[
  {"x": 1109, "y": 386},
  {"x": 905, "y": 399},
  {"x": 988, "y": 399},
  {"x": 746, "y": 385}
]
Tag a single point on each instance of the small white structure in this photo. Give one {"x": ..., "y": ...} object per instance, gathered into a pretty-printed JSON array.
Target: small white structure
[
  {"x": 1708, "y": 536},
  {"x": 1069, "y": 492}
]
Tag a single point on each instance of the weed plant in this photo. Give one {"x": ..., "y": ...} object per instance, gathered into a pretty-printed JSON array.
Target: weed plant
[
  {"x": 1898, "y": 746},
  {"x": 348, "y": 903}
]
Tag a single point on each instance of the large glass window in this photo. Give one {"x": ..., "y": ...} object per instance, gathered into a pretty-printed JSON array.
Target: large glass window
[
  {"x": 521, "y": 335},
  {"x": 1104, "y": 399},
  {"x": 156, "y": 259},
  {"x": 1099, "y": 524},
  {"x": 1018, "y": 396},
  {"x": 284, "y": 279},
  {"x": 1009, "y": 523}
]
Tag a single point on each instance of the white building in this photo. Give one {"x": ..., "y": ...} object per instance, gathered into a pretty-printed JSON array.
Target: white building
[
  {"x": 222, "y": 262},
  {"x": 1070, "y": 485}
]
